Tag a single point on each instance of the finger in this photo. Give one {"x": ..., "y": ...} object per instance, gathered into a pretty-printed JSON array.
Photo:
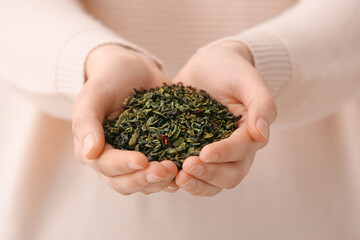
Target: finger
[
  {"x": 223, "y": 175},
  {"x": 171, "y": 187},
  {"x": 88, "y": 115},
  {"x": 78, "y": 151},
  {"x": 137, "y": 181},
  {"x": 234, "y": 148},
  {"x": 172, "y": 171},
  {"x": 254, "y": 93},
  {"x": 195, "y": 186},
  {"x": 261, "y": 114},
  {"x": 80, "y": 157},
  {"x": 113, "y": 162},
  {"x": 170, "y": 167},
  {"x": 157, "y": 187}
]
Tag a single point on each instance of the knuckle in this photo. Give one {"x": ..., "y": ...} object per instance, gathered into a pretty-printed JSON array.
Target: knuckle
[
  {"x": 108, "y": 169},
  {"x": 114, "y": 185},
  {"x": 157, "y": 190},
  {"x": 210, "y": 173},
  {"x": 233, "y": 183},
  {"x": 239, "y": 175},
  {"x": 199, "y": 191},
  {"x": 167, "y": 189},
  {"x": 194, "y": 193},
  {"x": 78, "y": 156},
  {"x": 243, "y": 171},
  {"x": 269, "y": 103},
  {"x": 152, "y": 190},
  {"x": 99, "y": 169},
  {"x": 145, "y": 192},
  {"x": 141, "y": 180},
  {"x": 261, "y": 145},
  {"x": 80, "y": 160},
  {"x": 76, "y": 124},
  {"x": 214, "y": 192},
  {"x": 204, "y": 191},
  {"x": 124, "y": 193}
]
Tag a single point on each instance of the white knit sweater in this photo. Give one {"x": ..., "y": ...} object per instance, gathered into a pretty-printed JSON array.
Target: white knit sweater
[{"x": 304, "y": 185}]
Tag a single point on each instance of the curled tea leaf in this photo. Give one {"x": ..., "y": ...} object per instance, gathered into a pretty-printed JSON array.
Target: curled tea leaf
[{"x": 170, "y": 122}]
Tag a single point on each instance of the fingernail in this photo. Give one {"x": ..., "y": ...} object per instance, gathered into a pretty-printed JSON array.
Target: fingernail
[
  {"x": 263, "y": 127},
  {"x": 151, "y": 178},
  {"x": 197, "y": 170},
  {"x": 189, "y": 185},
  {"x": 89, "y": 142},
  {"x": 169, "y": 177},
  {"x": 213, "y": 158},
  {"x": 171, "y": 187},
  {"x": 134, "y": 166}
]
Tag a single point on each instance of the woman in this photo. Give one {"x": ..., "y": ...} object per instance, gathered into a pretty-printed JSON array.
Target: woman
[{"x": 302, "y": 56}]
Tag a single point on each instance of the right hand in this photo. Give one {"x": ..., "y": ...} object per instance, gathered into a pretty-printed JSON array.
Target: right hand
[
  {"x": 112, "y": 72},
  {"x": 227, "y": 73}
]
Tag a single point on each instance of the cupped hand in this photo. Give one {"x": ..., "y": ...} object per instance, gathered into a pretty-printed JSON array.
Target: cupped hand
[
  {"x": 112, "y": 72},
  {"x": 226, "y": 72}
]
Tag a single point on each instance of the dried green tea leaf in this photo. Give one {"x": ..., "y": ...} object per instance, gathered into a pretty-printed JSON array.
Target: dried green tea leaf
[{"x": 171, "y": 122}]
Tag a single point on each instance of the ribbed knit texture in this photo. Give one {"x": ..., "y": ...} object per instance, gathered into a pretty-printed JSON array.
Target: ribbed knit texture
[
  {"x": 164, "y": 27},
  {"x": 70, "y": 70},
  {"x": 271, "y": 58},
  {"x": 304, "y": 185}
]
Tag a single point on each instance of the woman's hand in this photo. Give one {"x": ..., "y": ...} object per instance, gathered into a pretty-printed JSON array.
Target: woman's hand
[
  {"x": 112, "y": 73},
  {"x": 226, "y": 72}
]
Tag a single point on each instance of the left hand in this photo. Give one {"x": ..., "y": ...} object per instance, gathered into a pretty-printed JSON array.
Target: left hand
[
  {"x": 226, "y": 72},
  {"x": 113, "y": 71}
]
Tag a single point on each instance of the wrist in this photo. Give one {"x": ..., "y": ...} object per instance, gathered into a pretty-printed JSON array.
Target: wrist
[
  {"x": 240, "y": 48},
  {"x": 116, "y": 53}
]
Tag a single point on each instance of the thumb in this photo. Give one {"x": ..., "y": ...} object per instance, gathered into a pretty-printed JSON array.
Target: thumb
[
  {"x": 255, "y": 94},
  {"x": 87, "y": 126},
  {"x": 261, "y": 114}
]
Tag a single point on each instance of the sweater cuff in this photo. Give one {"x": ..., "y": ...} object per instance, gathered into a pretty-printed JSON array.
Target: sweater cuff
[
  {"x": 270, "y": 56},
  {"x": 70, "y": 71}
]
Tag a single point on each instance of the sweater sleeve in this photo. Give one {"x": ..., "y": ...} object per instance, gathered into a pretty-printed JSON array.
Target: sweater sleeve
[
  {"x": 44, "y": 45},
  {"x": 310, "y": 58}
]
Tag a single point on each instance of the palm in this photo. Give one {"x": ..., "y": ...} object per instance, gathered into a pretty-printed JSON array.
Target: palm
[
  {"x": 221, "y": 85},
  {"x": 233, "y": 81},
  {"x": 119, "y": 78},
  {"x": 112, "y": 73}
]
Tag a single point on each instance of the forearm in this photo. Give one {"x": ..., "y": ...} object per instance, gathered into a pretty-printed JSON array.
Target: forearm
[
  {"x": 309, "y": 57},
  {"x": 43, "y": 51},
  {"x": 324, "y": 55}
]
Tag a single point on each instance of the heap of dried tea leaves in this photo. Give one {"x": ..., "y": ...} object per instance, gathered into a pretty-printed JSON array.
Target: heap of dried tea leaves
[{"x": 170, "y": 122}]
